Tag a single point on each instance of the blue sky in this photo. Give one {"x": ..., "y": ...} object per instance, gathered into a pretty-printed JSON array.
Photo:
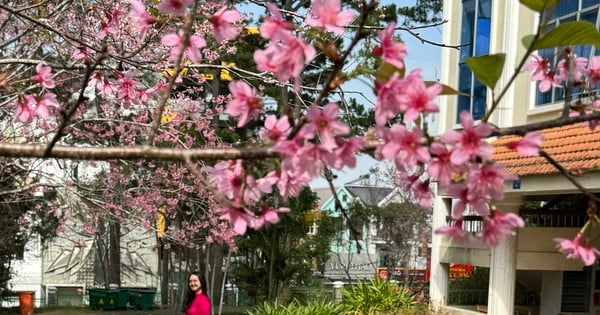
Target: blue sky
[{"x": 420, "y": 55}]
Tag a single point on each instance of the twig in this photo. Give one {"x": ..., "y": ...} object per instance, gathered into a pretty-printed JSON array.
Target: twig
[
  {"x": 167, "y": 91},
  {"x": 71, "y": 111}
]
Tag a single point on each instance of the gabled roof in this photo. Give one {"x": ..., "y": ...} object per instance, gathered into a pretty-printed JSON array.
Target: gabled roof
[
  {"x": 575, "y": 147},
  {"x": 369, "y": 195}
]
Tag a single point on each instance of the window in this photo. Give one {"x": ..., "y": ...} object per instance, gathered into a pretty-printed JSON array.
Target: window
[
  {"x": 566, "y": 11},
  {"x": 475, "y": 41},
  {"x": 576, "y": 291}
]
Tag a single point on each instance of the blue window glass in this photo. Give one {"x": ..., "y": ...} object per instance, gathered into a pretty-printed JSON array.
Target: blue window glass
[
  {"x": 566, "y": 11},
  {"x": 475, "y": 38}
]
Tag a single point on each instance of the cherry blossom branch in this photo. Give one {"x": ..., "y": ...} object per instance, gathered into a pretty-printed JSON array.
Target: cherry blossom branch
[
  {"x": 185, "y": 41},
  {"x": 71, "y": 111},
  {"x": 559, "y": 122},
  {"x": 568, "y": 175}
]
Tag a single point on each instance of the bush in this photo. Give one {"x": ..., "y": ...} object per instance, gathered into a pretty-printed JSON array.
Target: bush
[
  {"x": 295, "y": 308},
  {"x": 377, "y": 297}
]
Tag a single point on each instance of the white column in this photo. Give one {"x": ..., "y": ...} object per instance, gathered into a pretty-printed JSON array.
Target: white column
[
  {"x": 438, "y": 285},
  {"x": 503, "y": 262}
]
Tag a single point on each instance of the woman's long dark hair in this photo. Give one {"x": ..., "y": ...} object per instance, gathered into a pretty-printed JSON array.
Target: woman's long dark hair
[{"x": 191, "y": 295}]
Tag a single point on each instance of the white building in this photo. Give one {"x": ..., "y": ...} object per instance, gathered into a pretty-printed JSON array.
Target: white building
[{"x": 550, "y": 204}]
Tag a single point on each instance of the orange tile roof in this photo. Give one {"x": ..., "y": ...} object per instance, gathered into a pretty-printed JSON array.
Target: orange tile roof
[{"x": 575, "y": 147}]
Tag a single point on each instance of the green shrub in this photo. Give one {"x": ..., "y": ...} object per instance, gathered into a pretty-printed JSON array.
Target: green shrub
[
  {"x": 295, "y": 308},
  {"x": 377, "y": 297}
]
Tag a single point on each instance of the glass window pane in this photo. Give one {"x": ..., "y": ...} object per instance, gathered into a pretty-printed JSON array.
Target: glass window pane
[
  {"x": 565, "y": 7},
  {"x": 482, "y": 41},
  {"x": 467, "y": 31},
  {"x": 463, "y": 105},
  {"x": 588, "y": 3},
  {"x": 479, "y": 98}
]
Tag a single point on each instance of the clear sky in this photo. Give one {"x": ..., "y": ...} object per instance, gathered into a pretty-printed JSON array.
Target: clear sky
[{"x": 420, "y": 55}]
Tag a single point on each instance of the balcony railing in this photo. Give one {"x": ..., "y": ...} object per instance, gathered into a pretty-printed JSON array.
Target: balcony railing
[
  {"x": 554, "y": 218},
  {"x": 469, "y": 223}
]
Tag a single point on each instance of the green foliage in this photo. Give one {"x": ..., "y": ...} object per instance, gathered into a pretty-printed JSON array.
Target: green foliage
[
  {"x": 423, "y": 12},
  {"x": 296, "y": 308},
  {"x": 376, "y": 297},
  {"x": 539, "y": 5},
  {"x": 276, "y": 259},
  {"x": 487, "y": 68},
  {"x": 570, "y": 33}
]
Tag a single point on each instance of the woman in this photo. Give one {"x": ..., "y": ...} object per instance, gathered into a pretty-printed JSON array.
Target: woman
[{"x": 196, "y": 300}]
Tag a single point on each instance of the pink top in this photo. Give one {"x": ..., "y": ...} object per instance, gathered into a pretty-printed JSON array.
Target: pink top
[{"x": 200, "y": 306}]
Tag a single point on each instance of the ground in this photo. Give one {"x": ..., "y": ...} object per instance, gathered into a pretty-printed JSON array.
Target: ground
[{"x": 87, "y": 311}]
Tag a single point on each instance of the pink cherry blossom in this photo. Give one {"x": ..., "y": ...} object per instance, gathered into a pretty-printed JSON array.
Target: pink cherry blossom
[
  {"x": 328, "y": 14},
  {"x": 142, "y": 19},
  {"x": 126, "y": 89},
  {"x": 345, "y": 154},
  {"x": 391, "y": 51},
  {"x": 111, "y": 26},
  {"x": 593, "y": 72},
  {"x": 486, "y": 181},
  {"x": 326, "y": 123},
  {"x": 44, "y": 76},
  {"x": 418, "y": 98},
  {"x": 25, "y": 108},
  {"x": 81, "y": 53},
  {"x": 388, "y": 99},
  {"x": 454, "y": 231},
  {"x": 175, "y": 7},
  {"x": 529, "y": 145},
  {"x": 47, "y": 100},
  {"x": 537, "y": 65},
  {"x": 275, "y": 129},
  {"x": 269, "y": 216},
  {"x": 548, "y": 80},
  {"x": 240, "y": 218},
  {"x": 404, "y": 147},
  {"x": 192, "y": 51},
  {"x": 577, "y": 69},
  {"x": 244, "y": 102},
  {"x": 500, "y": 225},
  {"x": 223, "y": 23},
  {"x": 468, "y": 143},
  {"x": 440, "y": 166},
  {"x": 290, "y": 185},
  {"x": 285, "y": 60},
  {"x": 574, "y": 249},
  {"x": 422, "y": 193},
  {"x": 460, "y": 192},
  {"x": 274, "y": 27}
]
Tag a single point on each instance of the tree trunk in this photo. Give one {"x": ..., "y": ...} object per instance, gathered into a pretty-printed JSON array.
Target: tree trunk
[
  {"x": 164, "y": 273},
  {"x": 114, "y": 253}
]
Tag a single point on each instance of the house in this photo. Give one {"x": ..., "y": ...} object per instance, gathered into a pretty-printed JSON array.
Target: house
[
  {"x": 549, "y": 203},
  {"x": 60, "y": 270},
  {"x": 356, "y": 255}
]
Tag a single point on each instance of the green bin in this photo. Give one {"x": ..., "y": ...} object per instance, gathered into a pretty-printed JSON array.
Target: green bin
[
  {"x": 141, "y": 299},
  {"x": 122, "y": 298},
  {"x": 103, "y": 299}
]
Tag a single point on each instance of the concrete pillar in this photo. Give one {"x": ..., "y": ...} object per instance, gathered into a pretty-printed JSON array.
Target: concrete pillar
[
  {"x": 337, "y": 290},
  {"x": 503, "y": 262},
  {"x": 550, "y": 297},
  {"x": 438, "y": 285}
]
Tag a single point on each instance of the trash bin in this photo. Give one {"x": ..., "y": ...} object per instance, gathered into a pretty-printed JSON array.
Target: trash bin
[
  {"x": 141, "y": 299},
  {"x": 26, "y": 299},
  {"x": 103, "y": 299},
  {"x": 122, "y": 298}
]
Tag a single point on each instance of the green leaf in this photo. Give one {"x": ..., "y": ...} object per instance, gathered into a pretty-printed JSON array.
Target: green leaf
[
  {"x": 487, "y": 68},
  {"x": 386, "y": 70},
  {"x": 539, "y": 5},
  {"x": 527, "y": 40},
  {"x": 446, "y": 90},
  {"x": 570, "y": 33}
]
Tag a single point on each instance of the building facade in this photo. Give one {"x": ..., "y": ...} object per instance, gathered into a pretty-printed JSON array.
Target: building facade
[{"x": 549, "y": 203}]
